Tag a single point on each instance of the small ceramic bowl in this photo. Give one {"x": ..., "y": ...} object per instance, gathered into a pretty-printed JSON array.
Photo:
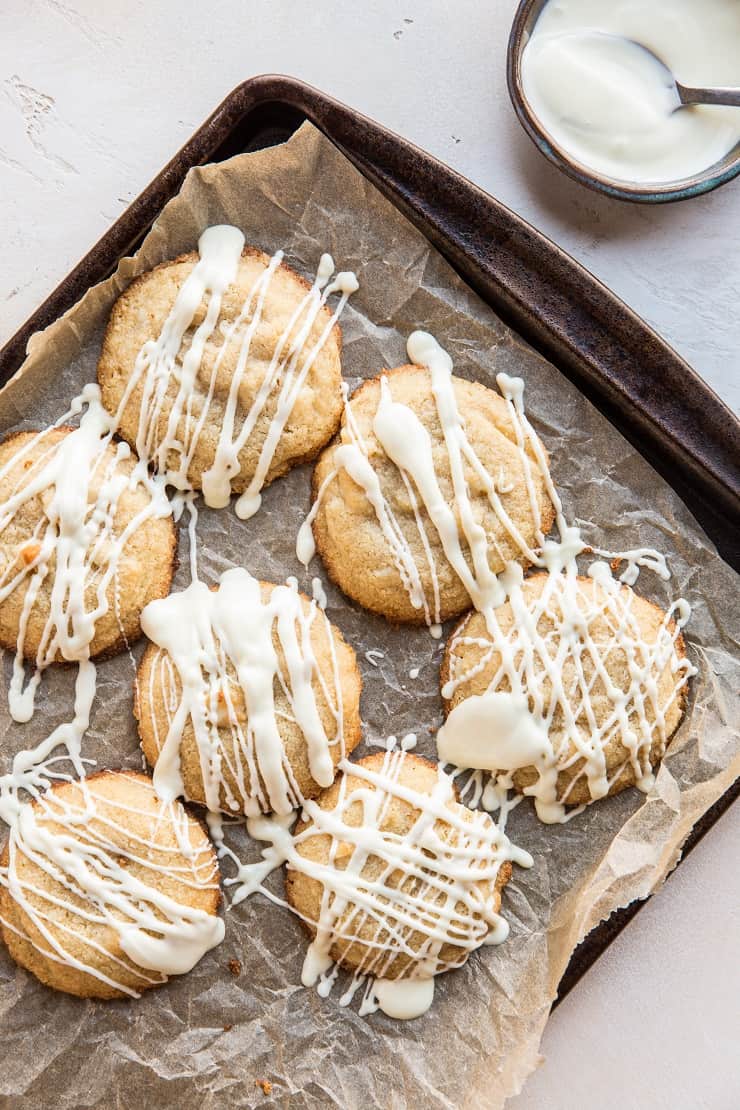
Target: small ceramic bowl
[{"x": 710, "y": 178}]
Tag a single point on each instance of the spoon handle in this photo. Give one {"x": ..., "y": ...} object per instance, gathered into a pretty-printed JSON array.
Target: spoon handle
[{"x": 689, "y": 95}]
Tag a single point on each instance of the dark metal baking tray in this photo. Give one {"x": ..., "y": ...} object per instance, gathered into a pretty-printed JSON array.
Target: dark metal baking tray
[{"x": 632, "y": 376}]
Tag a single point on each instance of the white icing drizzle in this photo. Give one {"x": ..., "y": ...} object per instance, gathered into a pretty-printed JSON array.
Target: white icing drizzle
[
  {"x": 220, "y": 644},
  {"x": 493, "y": 731},
  {"x": 79, "y": 483},
  {"x": 155, "y": 932},
  {"x": 388, "y": 743},
  {"x": 407, "y": 443},
  {"x": 509, "y": 727},
  {"x": 80, "y": 486},
  {"x": 158, "y": 367},
  {"x": 449, "y": 853},
  {"x": 403, "y": 998},
  {"x": 75, "y": 547},
  {"x": 319, "y": 593}
]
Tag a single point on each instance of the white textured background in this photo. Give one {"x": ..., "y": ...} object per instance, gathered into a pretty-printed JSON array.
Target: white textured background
[{"x": 96, "y": 95}]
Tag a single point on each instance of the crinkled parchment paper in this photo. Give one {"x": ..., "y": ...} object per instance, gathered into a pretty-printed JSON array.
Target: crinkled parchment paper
[{"x": 203, "y": 1040}]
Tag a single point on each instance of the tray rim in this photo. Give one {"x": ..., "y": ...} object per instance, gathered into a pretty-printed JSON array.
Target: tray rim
[{"x": 101, "y": 259}]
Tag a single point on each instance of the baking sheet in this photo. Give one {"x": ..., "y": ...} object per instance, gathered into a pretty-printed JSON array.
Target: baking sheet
[{"x": 208, "y": 1038}]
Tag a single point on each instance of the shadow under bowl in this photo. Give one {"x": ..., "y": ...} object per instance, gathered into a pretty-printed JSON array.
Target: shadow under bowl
[{"x": 712, "y": 177}]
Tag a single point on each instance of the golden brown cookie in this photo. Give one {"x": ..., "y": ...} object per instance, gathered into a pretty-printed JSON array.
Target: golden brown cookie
[
  {"x": 393, "y": 877},
  {"x": 604, "y": 668},
  {"x": 248, "y": 348},
  {"x": 354, "y": 543},
  {"x": 251, "y": 739},
  {"x": 30, "y": 548},
  {"x": 97, "y": 875}
]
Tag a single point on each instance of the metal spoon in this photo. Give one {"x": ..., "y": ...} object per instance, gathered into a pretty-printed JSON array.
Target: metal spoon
[{"x": 689, "y": 94}]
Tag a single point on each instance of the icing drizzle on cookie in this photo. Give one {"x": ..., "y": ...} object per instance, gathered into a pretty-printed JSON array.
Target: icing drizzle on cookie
[
  {"x": 221, "y": 646},
  {"x": 75, "y": 550},
  {"x": 168, "y": 374},
  {"x": 406, "y": 442},
  {"x": 551, "y": 668},
  {"x": 89, "y": 848},
  {"x": 395, "y": 895}
]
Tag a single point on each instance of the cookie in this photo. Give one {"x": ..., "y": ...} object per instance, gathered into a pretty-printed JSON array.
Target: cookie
[
  {"x": 248, "y": 696},
  {"x": 421, "y": 536},
  {"x": 393, "y": 877},
  {"x": 223, "y": 369},
  {"x": 108, "y": 890},
  {"x": 70, "y": 586},
  {"x": 574, "y": 687}
]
